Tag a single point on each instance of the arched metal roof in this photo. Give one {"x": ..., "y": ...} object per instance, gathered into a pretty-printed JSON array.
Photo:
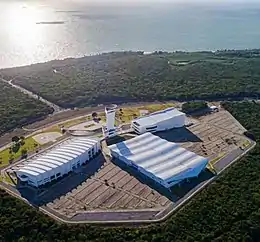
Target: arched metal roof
[
  {"x": 65, "y": 153},
  {"x": 51, "y": 165},
  {"x": 57, "y": 156},
  {"x": 69, "y": 150},
  {"x": 26, "y": 171},
  {"x": 36, "y": 165},
  {"x": 80, "y": 148},
  {"x": 165, "y": 160},
  {"x": 50, "y": 161}
]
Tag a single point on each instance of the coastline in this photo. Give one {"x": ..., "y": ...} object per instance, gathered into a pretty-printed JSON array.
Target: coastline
[
  {"x": 124, "y": 68},
  {"x": 74, "y": 58}
]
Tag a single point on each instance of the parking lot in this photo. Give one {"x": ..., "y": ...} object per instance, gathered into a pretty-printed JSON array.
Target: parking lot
[
  {"x": 113, "y": 188},
  {"x": 220, "y": 134}
]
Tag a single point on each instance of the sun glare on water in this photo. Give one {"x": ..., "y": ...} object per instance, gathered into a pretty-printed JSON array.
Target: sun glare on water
[
  {"x": 24, "y": 37},
  {"x": 22, "y": 22}
]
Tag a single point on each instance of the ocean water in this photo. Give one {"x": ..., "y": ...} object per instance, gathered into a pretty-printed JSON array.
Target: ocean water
[{"x": 39, "y": 31}]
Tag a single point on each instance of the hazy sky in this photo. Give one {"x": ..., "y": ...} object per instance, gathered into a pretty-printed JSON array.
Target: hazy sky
[
  {"x": 179, "y": 1},
  {"x": 208, "y": 2}
]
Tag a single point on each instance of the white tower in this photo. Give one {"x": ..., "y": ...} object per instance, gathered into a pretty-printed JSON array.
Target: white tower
[{"x": 110, "y": 120}]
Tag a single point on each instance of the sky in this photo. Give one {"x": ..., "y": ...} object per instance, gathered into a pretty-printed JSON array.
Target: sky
[
  {"x": 177, "y": 1},
  {"x": 208, "y": 2}
]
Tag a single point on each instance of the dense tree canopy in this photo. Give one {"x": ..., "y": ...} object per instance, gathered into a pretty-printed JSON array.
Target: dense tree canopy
[
  {"x": 128, "y": 76},
  {"x": 17, "y": 109},
  {"x": 193, "y": 106},
  {"x": 133, "y": 76},
  {"x": 227, "y": 210}
]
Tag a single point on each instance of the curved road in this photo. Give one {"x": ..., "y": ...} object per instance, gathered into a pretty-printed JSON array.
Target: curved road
[{"x": 55, "y": 107}]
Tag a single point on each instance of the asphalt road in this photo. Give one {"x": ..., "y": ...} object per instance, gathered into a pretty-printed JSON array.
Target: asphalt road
[
  {"x": 222, "y": 163},
  {"x": 115, "y": 215},
  {"x": 55, "y": 107}
]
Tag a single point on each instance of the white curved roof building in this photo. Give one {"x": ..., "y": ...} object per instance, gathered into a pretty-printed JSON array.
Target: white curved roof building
[
  {"x": 159, "y": 121},
  {"x": 163, "y": 161},
  {"x": 58, "y": 161}
]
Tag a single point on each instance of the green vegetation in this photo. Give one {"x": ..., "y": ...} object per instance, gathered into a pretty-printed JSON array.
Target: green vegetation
[
  {"x": 89, "y": 125},
  {"x": 5, "y": 178},
  {"x": 227, "y": 210},
  {"x": 215, "y": 160},
  {"x": 73, "y": 122},
  {"x": 17, "y": 109},
  {"x": 132, "y": 76},
  {"x": 54, "y": 128},
  {"x": 17, "y": 150},
  {"x": 66, "y": 124},
  {"x": 128, "y": 76},
  {"x": 245, "y": 144},
  {"x": 194, "y": 106},
  {"x": 126, "y": 115}
]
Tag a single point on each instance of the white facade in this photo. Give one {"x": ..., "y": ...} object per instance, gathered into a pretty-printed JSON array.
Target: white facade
[
  {"x": 110, "y": 120},
  {"x": 214, "y": 108},
  {"x": 58, "y": 161},
  {"x": 159, "y": 121},
  {"x": 165, "y": 162}
]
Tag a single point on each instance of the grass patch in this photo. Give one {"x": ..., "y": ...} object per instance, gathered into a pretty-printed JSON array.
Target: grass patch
[
  {"x": 89, "y": 125},
  {"x": 29, "y": 145},
  {"x": 70, "y": 123},
  {"x": 215, "y": 160},
  {"x": 245, "y": 144},
  {"x": 128, "y": 114},
  {"x": 8, "y": 180},
  {"x": 157, "y": 107},
  {"x": 55, "y": 128}
]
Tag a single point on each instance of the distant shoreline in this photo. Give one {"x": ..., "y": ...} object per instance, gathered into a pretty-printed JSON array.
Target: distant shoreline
[
  {"x": 51, "y": 22},
  {"x": 129, "y": 51}
]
